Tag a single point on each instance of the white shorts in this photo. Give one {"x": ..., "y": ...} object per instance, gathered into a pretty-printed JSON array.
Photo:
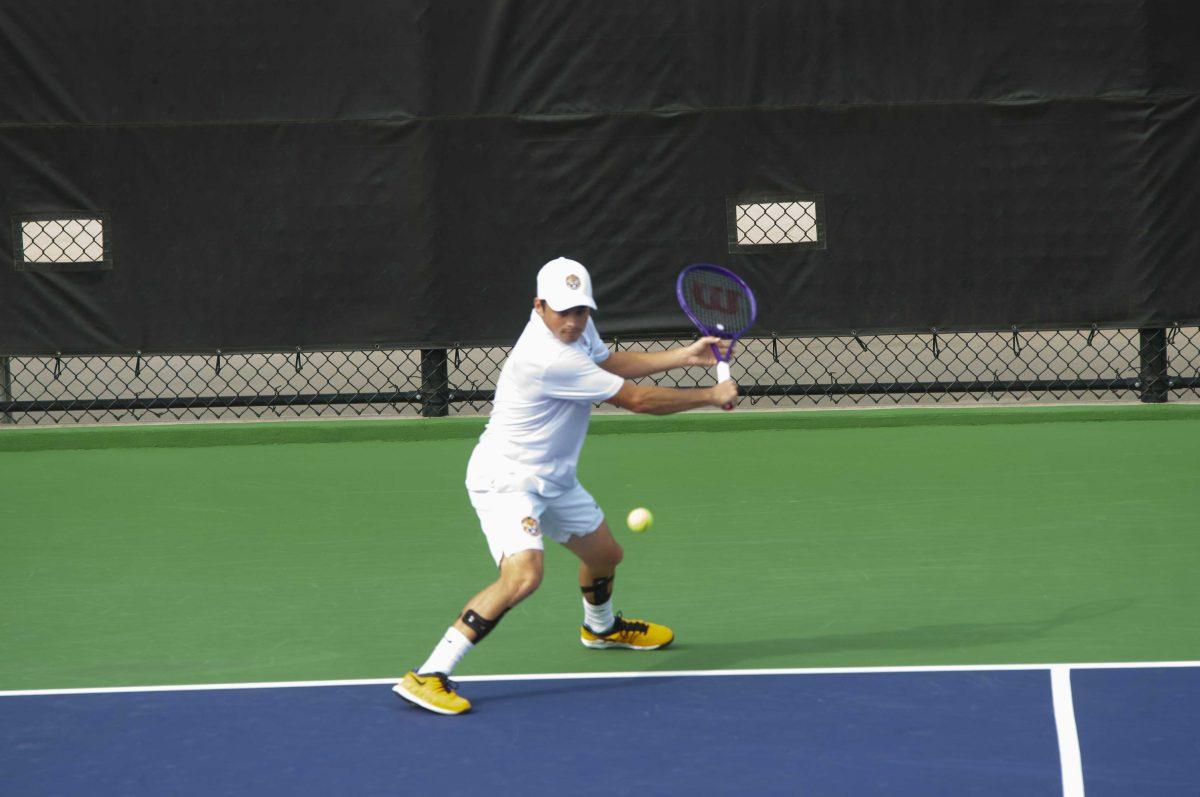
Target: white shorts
[{"x": 517, "y": 521}]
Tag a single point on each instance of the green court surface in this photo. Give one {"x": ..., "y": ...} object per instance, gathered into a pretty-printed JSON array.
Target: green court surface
[{"x": 304, "y": 551}]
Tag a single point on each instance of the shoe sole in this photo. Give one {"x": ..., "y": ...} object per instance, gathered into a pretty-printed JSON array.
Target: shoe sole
[
  {"x": 600, "y": 644},
  {"x": 416, "y": 701}
]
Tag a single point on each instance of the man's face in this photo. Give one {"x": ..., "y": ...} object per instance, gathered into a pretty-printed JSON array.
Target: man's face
[{"x": 568, "y": 325}]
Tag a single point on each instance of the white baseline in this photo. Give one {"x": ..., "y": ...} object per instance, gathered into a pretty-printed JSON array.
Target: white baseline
[{"x": 565, "y": 676}]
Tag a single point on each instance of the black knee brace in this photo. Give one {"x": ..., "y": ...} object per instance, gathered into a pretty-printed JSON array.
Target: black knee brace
[
  {"x": 601, "y": 590},
  {"x": 479, "y": 624}
]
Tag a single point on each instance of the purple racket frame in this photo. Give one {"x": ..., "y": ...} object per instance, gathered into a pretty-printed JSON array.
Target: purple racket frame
[
  {"x": 720, "y": 333},
  {"x": 722, "y": 369}
]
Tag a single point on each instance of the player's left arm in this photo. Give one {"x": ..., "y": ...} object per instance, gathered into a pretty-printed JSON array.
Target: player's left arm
[{"x": 633, "y": 364}]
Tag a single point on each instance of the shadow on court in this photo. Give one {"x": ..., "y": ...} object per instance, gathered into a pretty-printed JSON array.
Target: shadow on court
[{"x": 946, "y": 636}]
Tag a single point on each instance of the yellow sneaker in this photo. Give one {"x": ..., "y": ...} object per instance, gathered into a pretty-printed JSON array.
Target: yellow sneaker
[
  {"x": 632, "y": 634},
  {"x": 434, "y": 691}
]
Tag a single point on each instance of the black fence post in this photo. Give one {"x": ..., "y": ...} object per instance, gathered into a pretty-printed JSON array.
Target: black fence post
[
  {"x": 6, "y": 386},
  {"x": 1152, "y": 345},
  {"x": 435, "y": 383}
]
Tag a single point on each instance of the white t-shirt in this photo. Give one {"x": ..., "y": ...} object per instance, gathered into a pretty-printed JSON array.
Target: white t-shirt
[{"x": 540, "y": 416}]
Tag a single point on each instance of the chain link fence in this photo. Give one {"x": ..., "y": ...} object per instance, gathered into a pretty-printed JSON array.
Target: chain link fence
[
  {"x": 62, "y": 240},
  {"x": 1151, "y": 365}
]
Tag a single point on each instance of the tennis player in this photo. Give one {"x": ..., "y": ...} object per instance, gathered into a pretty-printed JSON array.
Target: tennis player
[{"x": 521, "y": 476}]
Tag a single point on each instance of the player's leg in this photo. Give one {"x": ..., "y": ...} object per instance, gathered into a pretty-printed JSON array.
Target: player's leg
[
  {"x": 599, "y": 554},
  {"x": 520, "y": 575},
  {"x": 577, "y": 522},
  {"x": 510, "y": 523}
]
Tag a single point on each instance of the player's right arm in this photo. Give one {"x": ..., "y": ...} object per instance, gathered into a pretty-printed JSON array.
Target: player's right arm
[
  {"x": 654, "y": 400},
  {"x": 633, "y": 364}
]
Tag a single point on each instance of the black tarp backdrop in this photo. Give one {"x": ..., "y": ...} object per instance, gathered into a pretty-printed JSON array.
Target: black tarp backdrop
[{"x": 390, "y": 172}]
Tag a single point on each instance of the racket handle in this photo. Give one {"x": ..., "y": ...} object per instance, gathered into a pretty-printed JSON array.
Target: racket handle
[{"x": 723, "y": 376}]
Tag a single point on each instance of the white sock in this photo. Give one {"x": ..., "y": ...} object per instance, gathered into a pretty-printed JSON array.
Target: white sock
[
  {"x": 447, "y": 653},
  {"x": 598, "y": 618}
]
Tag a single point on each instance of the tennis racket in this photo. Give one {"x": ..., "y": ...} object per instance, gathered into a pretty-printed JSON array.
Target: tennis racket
[{"x": 720, "y": 304}]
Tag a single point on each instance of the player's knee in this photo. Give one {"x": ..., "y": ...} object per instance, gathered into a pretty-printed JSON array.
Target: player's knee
[
  {"x": 608, "y": 558},
  {"x": 522, "y": 579},
  {"x": 525, "y": 586},
  {"x": 529, "y": 579}
]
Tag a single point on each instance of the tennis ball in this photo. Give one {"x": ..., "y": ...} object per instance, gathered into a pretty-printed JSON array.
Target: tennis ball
[{"x": 640, "y": 520}]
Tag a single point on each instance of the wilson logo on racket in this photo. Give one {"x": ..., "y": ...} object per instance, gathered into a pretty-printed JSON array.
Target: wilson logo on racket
[
  {"x": 714, "y": 297},
  {"x": 530, "y": 526},
  {"x": 573, "y": 282}
]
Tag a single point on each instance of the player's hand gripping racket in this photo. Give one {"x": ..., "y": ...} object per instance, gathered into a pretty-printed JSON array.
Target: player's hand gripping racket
[{"x": 720, "y": 304}]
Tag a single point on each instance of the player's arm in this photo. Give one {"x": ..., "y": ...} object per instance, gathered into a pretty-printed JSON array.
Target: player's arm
[
  {"x": 652, "y": 400},
  {"x": 634, "y": 364}
]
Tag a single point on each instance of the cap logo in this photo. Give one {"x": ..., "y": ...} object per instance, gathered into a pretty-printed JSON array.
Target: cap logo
[
  {"x": 530, "y": 526},
  {"x": 573, "y": 282}
]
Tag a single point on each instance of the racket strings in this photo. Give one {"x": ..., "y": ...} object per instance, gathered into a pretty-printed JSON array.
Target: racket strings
[{"x": 718, "y": 302}]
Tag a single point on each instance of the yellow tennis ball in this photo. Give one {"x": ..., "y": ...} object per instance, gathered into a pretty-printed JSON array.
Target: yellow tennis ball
[{"x": 640, "y": 519}]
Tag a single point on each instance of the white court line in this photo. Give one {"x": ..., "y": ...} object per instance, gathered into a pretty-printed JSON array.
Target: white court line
[
  {"x": 1068, "y": 734},
  {"x": 568, "y": 676}
]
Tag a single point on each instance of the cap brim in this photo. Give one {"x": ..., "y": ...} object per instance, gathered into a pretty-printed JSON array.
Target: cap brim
[{"x": 563, "y": 302}]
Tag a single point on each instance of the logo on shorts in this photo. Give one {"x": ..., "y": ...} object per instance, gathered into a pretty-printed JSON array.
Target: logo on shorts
[
  {"x": 530, "y": 525},
  {"x": 573, "y": 282}
]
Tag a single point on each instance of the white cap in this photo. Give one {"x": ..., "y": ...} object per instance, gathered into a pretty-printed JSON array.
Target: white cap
[{"x": 565, "y": 283}]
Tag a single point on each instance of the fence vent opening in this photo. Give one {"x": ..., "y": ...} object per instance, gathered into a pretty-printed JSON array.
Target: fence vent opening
[
  {"x": 62, "y": 242},
  {"x": 776, "y": 223}
]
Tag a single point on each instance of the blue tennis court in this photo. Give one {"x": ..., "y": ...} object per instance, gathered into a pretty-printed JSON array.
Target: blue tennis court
[{"x": 907, "y": 732}]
